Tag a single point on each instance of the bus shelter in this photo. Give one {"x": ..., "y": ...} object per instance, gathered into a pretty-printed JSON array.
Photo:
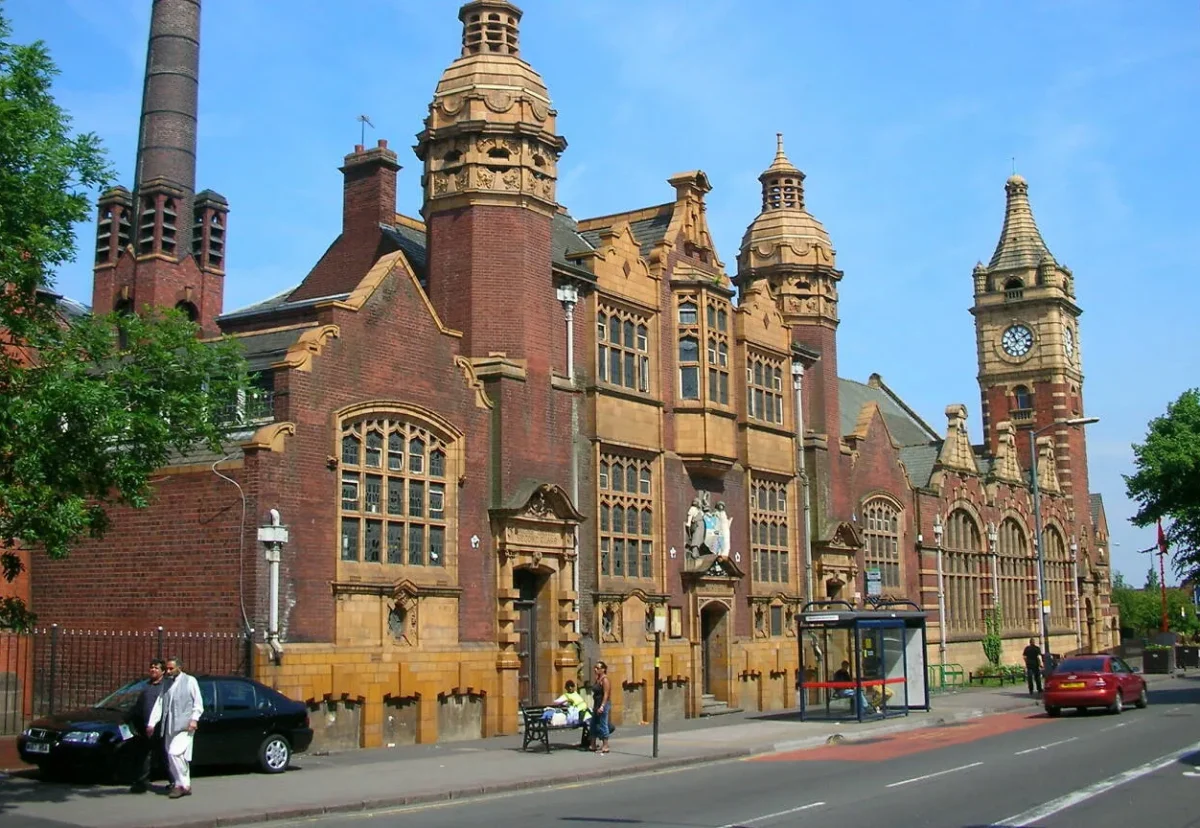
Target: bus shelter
[{"x": 861, "y": 664}]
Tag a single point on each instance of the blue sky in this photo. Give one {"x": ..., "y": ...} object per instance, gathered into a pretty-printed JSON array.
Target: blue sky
[{"x": 905, "y": 117}]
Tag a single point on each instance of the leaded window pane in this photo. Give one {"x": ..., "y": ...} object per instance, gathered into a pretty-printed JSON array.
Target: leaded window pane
[
  {"x": 631, "y": 520},
  {"x": 618, "y": 557},
  {"x": 350, "y": 485},
  {"x": 603, "y": 475},
  {"x": 374, "y": 449},
  {"x": 374, "y": 541},
  {"x": 373, "y": 494},
  {"x": 437, "y": 463},
  {"x": 437, "y": 501},
  {"x": 350, "y": 539},
  {"x": 395, "y": 543},
  {"x": 645, "y": 481},
  {"x": 687, "y": 313},
  {"x": 605, "y": 511},
  {"x": 647, "y": 522},
  {"x": 614, "y": 367},
  {"x": 395, "y": 451},
  {"x": 605, "y": 554},
  {"x": 437, "y": 545},
  {"x": 631, "y": 478},
  {"x": 630, "y": 335},
  {"x": 350, "y": 450},
  {"x": 416, "y": 455},
  {"x": 395, "y": 496},
  {"x": 643, "y": 338},
  {"x": 618, "y": 519},
  {"x": 416, "y": 544},
  {"x": 689, "y": 349},
  {"x": 689, "y": 383},
  {"x": 618, "y": 477},
  {"x": 416, "y": 498}
]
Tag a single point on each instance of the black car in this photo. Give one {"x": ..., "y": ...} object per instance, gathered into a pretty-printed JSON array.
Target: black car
[{"x": 244, "y": 723}]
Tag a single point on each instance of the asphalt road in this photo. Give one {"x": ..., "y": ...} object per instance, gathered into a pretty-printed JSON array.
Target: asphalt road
[{"x": 1139, "y": 768}]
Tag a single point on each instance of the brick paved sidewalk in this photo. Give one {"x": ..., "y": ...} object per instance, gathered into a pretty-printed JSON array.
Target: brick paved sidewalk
[{"x": 422, "y": 773}]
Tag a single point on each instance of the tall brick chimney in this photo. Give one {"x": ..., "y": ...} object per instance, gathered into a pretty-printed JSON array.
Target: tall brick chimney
[
  {"x": 161, "y": 246},
  {"x": 369, "y": 188}
]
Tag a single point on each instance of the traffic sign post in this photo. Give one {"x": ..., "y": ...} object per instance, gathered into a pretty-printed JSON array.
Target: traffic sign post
[{"x": 660, "y": 627}]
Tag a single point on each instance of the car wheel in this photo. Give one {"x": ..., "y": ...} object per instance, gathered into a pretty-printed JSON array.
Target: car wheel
[
  {"x": 1118, "y": 704},
  {"x": 1053, "y": 711},
  {"x": 1143, "y": 699},
  {"x": 275, "y": 754}
]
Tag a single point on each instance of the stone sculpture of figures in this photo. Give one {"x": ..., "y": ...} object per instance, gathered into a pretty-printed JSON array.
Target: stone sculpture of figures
[
  {"x": 723, "y": 524},
  {"x": 695, "y": 525}
]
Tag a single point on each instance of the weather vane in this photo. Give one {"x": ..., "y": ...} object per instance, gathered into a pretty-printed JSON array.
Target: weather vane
[{"x": 365, "y": 120}]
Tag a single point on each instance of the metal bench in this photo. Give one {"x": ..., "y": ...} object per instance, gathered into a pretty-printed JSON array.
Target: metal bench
[{"x": 538, "y": 729}]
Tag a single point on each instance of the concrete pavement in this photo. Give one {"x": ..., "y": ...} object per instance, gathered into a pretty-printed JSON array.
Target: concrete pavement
[{"x": 370, "y": 780}]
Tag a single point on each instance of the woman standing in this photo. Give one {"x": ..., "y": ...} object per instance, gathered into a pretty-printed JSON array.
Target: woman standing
[{"x": 601, "y": 705}]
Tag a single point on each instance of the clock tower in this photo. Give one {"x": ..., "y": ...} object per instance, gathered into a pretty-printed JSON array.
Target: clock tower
[{"x": 1027, "y": 336}]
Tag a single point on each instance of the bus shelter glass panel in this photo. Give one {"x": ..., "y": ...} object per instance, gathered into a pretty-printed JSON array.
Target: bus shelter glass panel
[{"x": 883, "y": 673}]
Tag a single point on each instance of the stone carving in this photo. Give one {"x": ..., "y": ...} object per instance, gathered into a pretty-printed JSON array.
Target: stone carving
[
  {"x": 462, "y": 180},
  {"x": 539, "y": 506},
  {"x": 707, "y": 529},
  {"x": 512, "y": 179},
  {"x": 498, "y": 101},
  {"x": 487, "y": 179},
  {"x": 439, "y": 184},
  {"x": 548, "y": 188}
]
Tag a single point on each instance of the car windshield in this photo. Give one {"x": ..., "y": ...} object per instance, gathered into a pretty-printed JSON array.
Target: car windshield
[
  {"x": 125, "y": 698},
  {"x": 1080, "y": 665}
]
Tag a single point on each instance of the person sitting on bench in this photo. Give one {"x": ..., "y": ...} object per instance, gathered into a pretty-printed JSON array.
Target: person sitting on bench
[{"x": 577, "y": 709}]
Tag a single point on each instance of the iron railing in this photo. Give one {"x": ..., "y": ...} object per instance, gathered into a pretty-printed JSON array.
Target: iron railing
[{"x": 54, "y": 669}]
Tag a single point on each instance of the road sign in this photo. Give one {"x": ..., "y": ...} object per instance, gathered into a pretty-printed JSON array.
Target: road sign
[{"x": 874, "y": 581}]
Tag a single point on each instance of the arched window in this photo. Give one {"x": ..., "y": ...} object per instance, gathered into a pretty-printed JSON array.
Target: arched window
[
  {"x": 881, "y": 538},
  {"x": 188, "y": 309},
  {"x": 1014, "y": 289},
  {"x": 1015, "y": 576},
  {"x": 1059, "y": 588},
  {"x": 963, "y": 570},
  {"x": 397, "y": 498},
  {"x": 1022, "y": 399}
]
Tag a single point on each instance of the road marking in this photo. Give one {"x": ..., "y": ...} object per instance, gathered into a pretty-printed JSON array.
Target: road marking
[
  {"x": 932, "y": 775},
  {"x": 1034, "y": 815},
  {"x": 1045, "y": 747},
  {"x": 1114, "y": 727},
  {"x": 772, "y": 816}
]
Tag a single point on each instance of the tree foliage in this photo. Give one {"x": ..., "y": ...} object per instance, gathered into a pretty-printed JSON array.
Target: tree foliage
[
  {"x": 89, "y": 406},
  {"x": 1166, "y": 483},
  {"x": 993, "y": 642}
]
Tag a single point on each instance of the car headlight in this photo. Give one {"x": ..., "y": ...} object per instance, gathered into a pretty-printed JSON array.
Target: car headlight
[{"x": 82, "y": 737}]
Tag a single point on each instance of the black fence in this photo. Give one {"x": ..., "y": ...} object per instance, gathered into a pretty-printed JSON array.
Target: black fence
[{"x": 53, "y": 669}]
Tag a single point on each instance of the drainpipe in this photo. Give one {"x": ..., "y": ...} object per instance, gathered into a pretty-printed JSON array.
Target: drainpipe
[
  {"x": 273, "y": 537},
  {"x": 938, "y": 530},
  {"x": 797, "y": 387},
  {"x": 568, "y": 295}
]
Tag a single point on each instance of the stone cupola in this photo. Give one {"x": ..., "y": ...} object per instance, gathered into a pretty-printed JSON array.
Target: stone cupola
[{"x": 490, "y": 136}]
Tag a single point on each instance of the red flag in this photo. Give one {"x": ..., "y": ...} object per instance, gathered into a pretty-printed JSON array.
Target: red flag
[{"x": 1162, "y": 539}]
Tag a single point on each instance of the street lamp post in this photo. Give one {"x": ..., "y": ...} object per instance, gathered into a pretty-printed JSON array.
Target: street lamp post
[
  {"x": 1043, "y": 610},
  {"x": 938, "y": 530},
  {"x": 993, "y": 538},
  {"x": 1078, "y": 602}
]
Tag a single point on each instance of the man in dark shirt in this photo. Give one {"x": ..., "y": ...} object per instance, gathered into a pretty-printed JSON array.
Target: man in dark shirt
[
  {"x": 145, "y": 747},
  {"x": 1033, "y": 666}
]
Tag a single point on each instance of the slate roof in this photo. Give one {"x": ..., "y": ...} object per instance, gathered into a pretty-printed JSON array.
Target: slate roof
[
  {"x": 278, "y": 302},
  {"x": 1096, "y": 502},
  {"x": 646, "y": 231},
  {"x": 1021, "y": 244},
  {"x": 919, "y": 461},
  {"x": 906, "y": 427},
  {"x": 264, "y": 349}
]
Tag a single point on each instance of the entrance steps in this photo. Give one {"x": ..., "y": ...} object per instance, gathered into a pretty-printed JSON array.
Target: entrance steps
[{"x": 710, "y": 705}]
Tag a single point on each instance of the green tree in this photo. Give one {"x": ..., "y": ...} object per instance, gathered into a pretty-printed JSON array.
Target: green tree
[
  {"x": 1152, "y": 581},
  {"x": 992, "y": 642},
  {"x": 85, "y": 415},
  {"x": 1166, "y": 483}
]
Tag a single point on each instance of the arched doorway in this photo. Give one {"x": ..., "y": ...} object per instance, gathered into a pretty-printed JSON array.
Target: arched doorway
[{"x": 714, "y": 648}]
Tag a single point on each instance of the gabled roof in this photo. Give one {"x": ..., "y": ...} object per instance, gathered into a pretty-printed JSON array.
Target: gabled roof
[
  {"x": 906, "y": 427},
  {"x": 1096, "y": 502}
]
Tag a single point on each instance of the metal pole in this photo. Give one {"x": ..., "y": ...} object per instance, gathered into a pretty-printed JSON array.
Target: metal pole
[
  {"x": 797, "y": 387},
  {"x": 941, "y": 608},
  {"x": 657, "y": 655},
  {"x": 568, "y": 295},
  {"x": 1037, "y": 534},
  {"x": 53, "y": 664},
  {"x": 1162, "y": 583}
]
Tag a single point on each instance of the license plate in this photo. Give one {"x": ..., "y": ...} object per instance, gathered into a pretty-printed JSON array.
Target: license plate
[
  {"x": 37, "y": 747},
  {"x": 1072, "y": 685}
]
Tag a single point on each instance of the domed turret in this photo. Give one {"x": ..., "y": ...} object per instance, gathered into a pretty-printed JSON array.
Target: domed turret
[
  {"x": 490, "y": 134},
  {"x": 784, "y": 232}
]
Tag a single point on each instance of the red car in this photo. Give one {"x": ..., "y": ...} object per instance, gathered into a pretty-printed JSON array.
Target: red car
[{"x": 1084, "y": 681}]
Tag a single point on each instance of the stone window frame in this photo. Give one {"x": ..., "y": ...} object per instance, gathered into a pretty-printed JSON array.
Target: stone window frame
[
  {"x": 770, "y": 552},
  {"x": 386, "y": 422},
  {"x": 1014, "y": 570},
  {"x": 882, "y": 529},
  {"x": 631, "y": 350},
  {"x": 764, "y": 388},
  {"x": 1022, "y": 398},
  {"x": 717, "y": 315},
  {"x": 689, "y": 384},
  {"x": 964, "y": 571},
  {"x": 641, "y": 503},
  {"x": 1057, "y": 565}
]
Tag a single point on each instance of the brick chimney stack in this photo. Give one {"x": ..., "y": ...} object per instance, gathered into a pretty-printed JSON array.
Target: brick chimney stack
[{"x": 369, "y": 188}]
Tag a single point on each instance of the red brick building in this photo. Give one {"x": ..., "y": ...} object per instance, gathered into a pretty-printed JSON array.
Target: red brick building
[{"x": 484, "y": 495}]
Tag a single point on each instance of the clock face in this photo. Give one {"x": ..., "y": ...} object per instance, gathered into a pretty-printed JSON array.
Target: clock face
[
  {"x": 1069, "y": 341},
  {"x": 1017, "y": 340}
]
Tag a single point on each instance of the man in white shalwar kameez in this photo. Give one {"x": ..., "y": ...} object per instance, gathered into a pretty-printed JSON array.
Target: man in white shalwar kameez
[{"x": 179, "y": 709}]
